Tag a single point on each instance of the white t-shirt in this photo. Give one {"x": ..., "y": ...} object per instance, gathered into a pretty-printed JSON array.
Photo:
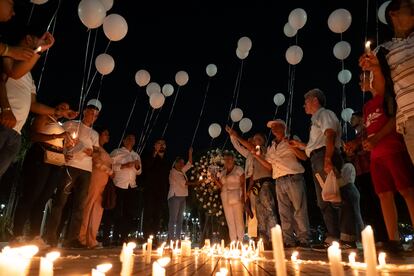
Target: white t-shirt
[
  {"x": 125, "y": 178},
  {"x": 19, "y": 93},
  {"x": 283, "y": 160},
  {"x": 178, "y": 179},
  {"x": 322, "y": 120},
  {"x": 87, "y": 139}
]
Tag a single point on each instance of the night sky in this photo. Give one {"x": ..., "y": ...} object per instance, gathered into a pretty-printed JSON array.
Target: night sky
[{"x": 164, "y": 38}]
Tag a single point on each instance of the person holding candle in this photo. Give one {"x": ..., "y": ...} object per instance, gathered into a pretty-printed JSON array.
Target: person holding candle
[
  {"x": 231, "y": 182},
  {"x": 77, "y": 176},
  {"x": 399, "y": 15},
  {"x": 40, "y": 176},
  {"x": 262, "y": 185},
  {"x": 177, "y": 195},
  {"x": 101, "y": 171},
  {"x": 127, "y": 166},
  {"x": 283, "y": 160}
]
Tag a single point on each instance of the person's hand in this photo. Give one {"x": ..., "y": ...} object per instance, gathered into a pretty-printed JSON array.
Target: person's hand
[
  {"x": 294, "y": 143},
  {"x": 230, "y": 131},
  {"x": 69, "y": 114},
  {"x": 68, "y": 157},
  {"x": 190, "y": 151},
  {"x": 20, "y": 53},
  {"x": 62, "y": 135},
  {"x": 137, "y": 164},
  {"x": 328, "y": 166},
  {"x": 46, "y": 41},
  {"x": 7, "y": 119},
  {"x": 88, "y": 151},
  {"x": 369, "y": 62},
  {"x": 350, "y": 147},
  {"x": 370, "y": 143}
]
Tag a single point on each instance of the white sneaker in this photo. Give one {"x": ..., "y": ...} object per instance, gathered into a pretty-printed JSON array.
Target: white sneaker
[{"x": 39, "y": 242}]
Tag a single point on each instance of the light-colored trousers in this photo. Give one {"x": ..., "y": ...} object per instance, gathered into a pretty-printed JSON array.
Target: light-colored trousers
[
  {"x": 234, "y": 217},
  {"x": 92, "y": 213}
]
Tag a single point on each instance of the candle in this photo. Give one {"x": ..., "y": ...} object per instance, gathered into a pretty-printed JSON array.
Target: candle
[
  {"x": 38, "y": 49},
  {"x": 127, "y": 258},
  {"x": 158, "y": 267},
  {"x": 278, "y": 251},
  {"x": 257, "y": 150},
  {"x": 201, "y": 178},
  {"x": 149, "y": 250},
  {"x": 101, "y": 269},
  {"x": 294, "y": 257},
  {"x": 223, "y": 272},
  {"x": 381, "y": 259},
  {"x": 46, "y": 263},
  {"x": 207, "y": 243},
  {"x": 160, "y": 250},
  {"x": 370, "y": 254},
  {"x": 222, "y": 245},
  {"x": 351, "y": 258},
  {"x": 335, "y": 258},
  {"x": 368, "y": 47},
  {"x": 16, "y": 261}
]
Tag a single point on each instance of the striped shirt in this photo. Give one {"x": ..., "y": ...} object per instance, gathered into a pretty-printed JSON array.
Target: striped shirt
[{"x": 401, "y": 61}]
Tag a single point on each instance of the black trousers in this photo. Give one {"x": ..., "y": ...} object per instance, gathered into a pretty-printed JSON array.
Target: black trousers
[
  {"x": 39, "y": 183},
  {"x": 154, "y": 207}
]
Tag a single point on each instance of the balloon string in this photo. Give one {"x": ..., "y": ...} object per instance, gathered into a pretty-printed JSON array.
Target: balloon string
[
  {"x": 270, "y": 131},
  {"x": 91, "y": 59},
  {"x": 211, "y": 143},
  {"x": 53, "y": 21},
  {"x": 201, "y": 112},
  {"x": 149, "y": 130},
  {"x": 234, "y": 95},
  {"x": 238, "y": 87},
  {"x": 129, "y": 119},
  {"x": 31, "y": 14},
  {"x": 143, "y": 128},
  {"x": 227, "y": 137},
  {"x": 288, "y": 89},
  {"x": 54, "y": 16},
  {"x": 171, "y": 112},
  {"x": 376, "y": 24},
  {"x": 100, "y": 87},
  {"x": 291, "y": 88},
  {"x": 84, "y": 69}
]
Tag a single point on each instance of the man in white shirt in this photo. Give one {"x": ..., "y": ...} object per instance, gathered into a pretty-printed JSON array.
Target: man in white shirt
[
  {"x": 177, "y": 195},
  {"x": 76, "y": 180},
  {"x": 126, "y": 166},
  {"x": 282, "y": 159},
  {"x": 323, "y": 151},
  {"x": 20, "y": 98}
]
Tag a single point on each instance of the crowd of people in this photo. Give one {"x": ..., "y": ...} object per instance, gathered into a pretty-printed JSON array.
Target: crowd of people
[{"x": 68, "y": 178}]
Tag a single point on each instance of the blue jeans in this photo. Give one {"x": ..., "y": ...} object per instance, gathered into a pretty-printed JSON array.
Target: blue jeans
[
  {"x": 10, "y": 142},
  {"x": 350, "y": 214},
  {"x": 330, "y": 212},
  {"x": 176, "y": 207},
  {"x": 293, "y": 210},
  {"x": 265, "y": 206}
]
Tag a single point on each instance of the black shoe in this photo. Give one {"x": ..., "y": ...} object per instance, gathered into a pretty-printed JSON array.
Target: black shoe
[
  {"x": 289, "y": 245},
  {"x": 75, "y": 244},
  {"x": 345, "y": 245},
  {"x": 304, "y": 246},
  {"x": 322, "y": 247},
  {"x": 394, "y": 249}
]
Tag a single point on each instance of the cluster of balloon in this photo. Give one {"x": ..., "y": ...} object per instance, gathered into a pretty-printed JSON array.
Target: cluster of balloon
[
  {"x": 296, "y": 21},
  {"x": 104, "y": 64},
  {"x": 181, "y": 78},
  {"x": 39, "y": 2},
  {"x": 245, "y": 125},
  {"x": 156, "y": 98},
  {"x": 346, "y": 114},
  {"x": 167, "y": 90},
  {"x": 142, "y": 77},
  {"x": 279, "y": 99},
  {"x": 236, "y": 115},
  {"x": 211, "y": 70},
  {"x": 381, "y": 12},
  {"x": 244, "y": 45},
  {"x": 214, "y": 130}
]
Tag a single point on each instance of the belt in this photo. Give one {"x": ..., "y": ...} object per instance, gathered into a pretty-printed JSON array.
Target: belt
[
  {"x": 316, "y": 151},
  {"x": 263, "y": 179},
  {"x": 50, "y": 147},
  {"x": 286, "y": 176}
]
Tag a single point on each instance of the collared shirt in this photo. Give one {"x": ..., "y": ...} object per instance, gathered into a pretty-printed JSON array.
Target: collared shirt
[
  {"x": 126, "y": 177},
  {"x": 87, "y": 139},
  {"x": 283, "y": 159},
  {"x": 401, "y": 61},
  {"x": 178, "y": 179},
  {"x": 322, "y": 120},
  {"x": 231, "y": 181},
  {"x": 252, "y": 167}
]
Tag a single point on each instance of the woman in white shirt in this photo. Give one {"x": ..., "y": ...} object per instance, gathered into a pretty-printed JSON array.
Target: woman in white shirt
[
  {"x": 177, "y": 195},
  {"x": 231, "y": 182}
]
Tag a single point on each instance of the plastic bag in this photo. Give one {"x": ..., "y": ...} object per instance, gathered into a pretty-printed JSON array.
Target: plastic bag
[{"x": 330, "y": 188}]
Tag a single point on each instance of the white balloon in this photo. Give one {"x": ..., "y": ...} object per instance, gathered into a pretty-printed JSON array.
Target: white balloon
[
  {"x": 211, "y": 70},
  {"x": 107, "y": 4},
  {"x": 245, "y": 125},
  {"x": 167, "y": 89},
  {"x": 241, "y": 55},
  {"x": 344, "y": 76},
  {"x": 115, "y": 27},
  {"x": 294, "y": 55},
  {"x": 381, "y": 12},
  {"x": 289, "y": 31},
  {"x": 142, "y": 77},
  {"x": 181, "y": 78},
  {"x": 279, "y": 99},
  {"x": 297, "y": 18},
  {"x": 236, "y": 115},
  {"x": 92, "y": 13},
  {"x": 156, "y": 100},
  {"x": 341, "y": 50},
  {"x": 339, "y": 20},
  {"x": 153, "y": 88},
  {"x": 214, "y": 130},
  {"x": 346, "y": 114},
  {"x": 105, "y": 64},
  {"x": 244, "y": 44},
  {"x": 38, "y": 2}
]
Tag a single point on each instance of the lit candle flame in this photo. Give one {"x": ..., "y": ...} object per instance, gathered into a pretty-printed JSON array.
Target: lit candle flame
[
  {"x": 368, "y": 47},
  {"x": 74, "y": 135},
  {"x": 201, "y": 178},
  {"x": 52, "y": 256},
  {"x": 381, "y": 258},
  {"x": 104, "y": 267},
  {"x": 294, "y": 256},
  {"x": 38, "y": 49}
]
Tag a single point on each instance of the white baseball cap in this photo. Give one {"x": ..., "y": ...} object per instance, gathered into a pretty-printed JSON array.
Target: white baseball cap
[
  {"x": 277, "y": 121},
  {"x": 96, "y": 103}
]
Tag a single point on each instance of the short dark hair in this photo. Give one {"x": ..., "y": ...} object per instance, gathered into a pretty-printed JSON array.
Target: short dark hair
[
  {"x": 20, "y": 31},
  {"x": 128, "y": 133},
  {"x": 100, "y": 129},
  {"x": 395, "y": 5},
  {"x": 228, "y": 153},
  {"x": 318, "y": 94},
  {"x": 357, "y": 113}
]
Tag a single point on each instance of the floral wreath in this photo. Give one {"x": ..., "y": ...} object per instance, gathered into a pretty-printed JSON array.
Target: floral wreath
[{"x": 207, "y": 193}]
